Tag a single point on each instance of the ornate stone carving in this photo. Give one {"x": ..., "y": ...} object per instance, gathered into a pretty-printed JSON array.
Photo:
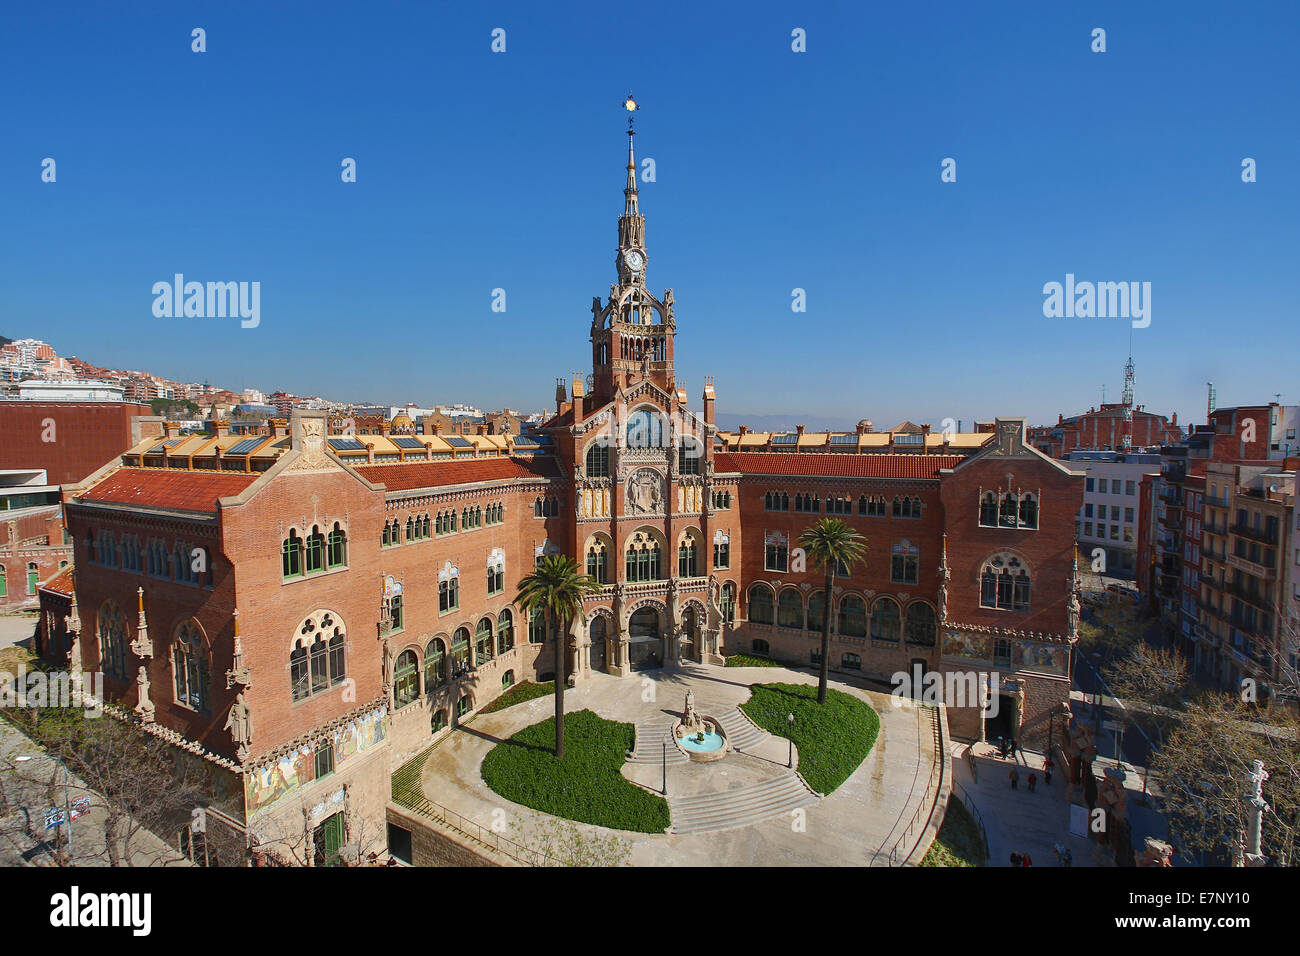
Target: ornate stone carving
[
  {"x": 144, "y": 705},
  {"x": 240, "y": 724},
  {"x": 645, "y": 492}
]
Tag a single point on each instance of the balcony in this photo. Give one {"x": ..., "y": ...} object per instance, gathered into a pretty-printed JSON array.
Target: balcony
[
  {"x": 1250, "y": 567},
  {"x": 1214, "y": 502},
  {"x": 1250, "y": 595},
  {"x": 1262, "y": 535}
]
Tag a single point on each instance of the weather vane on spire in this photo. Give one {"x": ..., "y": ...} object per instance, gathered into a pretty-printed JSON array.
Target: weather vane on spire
[{"x": 631, "y": 106}]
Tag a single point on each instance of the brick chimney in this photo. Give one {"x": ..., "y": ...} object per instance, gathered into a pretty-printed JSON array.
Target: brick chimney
[{"x": 709, "y": 398}]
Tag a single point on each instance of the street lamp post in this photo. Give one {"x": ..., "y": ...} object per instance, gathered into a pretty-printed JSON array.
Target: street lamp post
[{"x": 790, "y": 719}]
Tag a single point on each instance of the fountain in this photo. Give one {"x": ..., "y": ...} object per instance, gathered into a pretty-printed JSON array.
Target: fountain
[{"x": 700, "y": 737}]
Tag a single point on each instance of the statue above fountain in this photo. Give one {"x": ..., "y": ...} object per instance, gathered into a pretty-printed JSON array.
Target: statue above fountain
[
  {"x": 701, "y": 737},
  {"x": 692, "y": 722}
]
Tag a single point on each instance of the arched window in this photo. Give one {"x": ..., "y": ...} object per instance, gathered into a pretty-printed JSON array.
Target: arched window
[
  {"x": 460, "y": 652},
  {"x": 989, "y": 510},
  {"x": 338, "y": 546},
  {"x": 760, "y": 647},
  {"x": 598, "y": 561},
  {"x": 496, "y": 572},
  {"x": 505, "y": 631},
  {"x": 315, "y": 550},
  {"x": 760, "y": 604},
  {"x": 689, "y": 457},
  {"x": 318, "y": 659},
  {"x": 1004, "y": 583},
  {"x": 4, "y": 583},
  {"x": 537, "y": 507},
  {"x": 921, "y": 625},
  {"x": 111, "y": 626},
  {"x": 483, "y": 642},
  {"x": 438, "y": 721},
  {"x": 853, "y": 616},
  {"x": 507, "y": 680},
  {"x": 435, "y": 665},
  {"x": 885, "y": 620},
  {"x": 688, "y": 564},
  {"x": 190, "y": 667},
  {"x": 536, "y": 627},
  {"x": 727, "y": 603},
  {"x": 776, "y": 553},
  {"x": 598, "y": 460},
  {"x": 1007, "y": 515},
  {"x": 904, "y": 563},
  {"x": 643, "y": 558},
  {"x": 291, "y": 555},
  {"x": 721, "y": 549},
  {"x": 33, "y": 577},
  {"x": 789, "y": 609},
  {"x": 1028, "y": 510},
  {"x": 406, "y": 678},
  {"x": 817, "y": 611},
  {"x": 645, "y": 429},
  {"x": 448, "y": 588},
  {"x": 464, "y": 706}
]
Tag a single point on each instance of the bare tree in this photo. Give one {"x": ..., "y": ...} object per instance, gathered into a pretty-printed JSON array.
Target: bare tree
[{"x": 1203, "y": 770}]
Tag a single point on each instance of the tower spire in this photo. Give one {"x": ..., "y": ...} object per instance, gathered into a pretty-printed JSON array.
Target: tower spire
[
  {"x": 630, "y": 207},
  {"x": 630, "y": 259}
]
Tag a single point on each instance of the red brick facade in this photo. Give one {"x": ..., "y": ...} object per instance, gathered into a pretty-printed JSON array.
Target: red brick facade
[
  {"x": 625, "y": 480},
  {"x": 68, "y": 440}
]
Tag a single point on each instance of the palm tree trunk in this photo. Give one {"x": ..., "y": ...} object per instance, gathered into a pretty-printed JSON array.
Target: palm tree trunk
[
  {"x": 826, "y": 634},
  {"x": 559, "y": 686}
]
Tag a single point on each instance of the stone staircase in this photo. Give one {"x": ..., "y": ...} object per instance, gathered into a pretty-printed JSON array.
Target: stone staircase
[
  {"x": 742, "y": 733},
  {"x": 708, "y": 813},
  {"x": 651, "y": 735}
]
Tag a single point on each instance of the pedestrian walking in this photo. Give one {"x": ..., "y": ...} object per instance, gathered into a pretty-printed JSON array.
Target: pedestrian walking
[
  {"x": 1015, "y": 858},
  {"x": 1033, "y": 781},
  {"x": 1015, "y": 747},
  {"x": 1014, "y": 776},
  {"x": 1026, "y": 862},
  {"x": 1002, "y": 747},
  {"x": 1047, "y": 770},
  {"x": 1067, "y": 858}
]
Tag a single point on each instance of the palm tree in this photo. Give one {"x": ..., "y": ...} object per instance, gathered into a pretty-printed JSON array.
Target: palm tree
[
  {"x": 556, "y": 589},
  {"x": 831, "y": 544}
]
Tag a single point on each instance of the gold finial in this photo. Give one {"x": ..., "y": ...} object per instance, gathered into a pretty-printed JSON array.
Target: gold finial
[{"x": 235, "y": 617}]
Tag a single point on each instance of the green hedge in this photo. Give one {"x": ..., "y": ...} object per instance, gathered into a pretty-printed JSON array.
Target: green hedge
[
  {"x": 518, "y": 694},
  {"x": 586, "y": 785},
  {"x": 833, "y": 738},
  {"x": 749, "y": 660}
]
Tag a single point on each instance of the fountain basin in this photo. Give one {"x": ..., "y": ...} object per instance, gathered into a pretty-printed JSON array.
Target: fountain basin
[{"x": 712, "y": 747}]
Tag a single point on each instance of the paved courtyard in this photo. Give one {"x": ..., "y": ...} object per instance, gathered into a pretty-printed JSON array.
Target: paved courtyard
[{"x": 857, "y": 825}]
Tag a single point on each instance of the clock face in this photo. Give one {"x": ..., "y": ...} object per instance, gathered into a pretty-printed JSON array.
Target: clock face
[{"x": 634, "y": 260}]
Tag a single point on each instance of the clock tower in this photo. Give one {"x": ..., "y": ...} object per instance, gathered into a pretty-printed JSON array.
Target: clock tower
[{"x": 632, "y": 331}]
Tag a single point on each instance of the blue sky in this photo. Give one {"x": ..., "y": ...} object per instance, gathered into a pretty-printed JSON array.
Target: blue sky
[{"x": 775, "y": 170}]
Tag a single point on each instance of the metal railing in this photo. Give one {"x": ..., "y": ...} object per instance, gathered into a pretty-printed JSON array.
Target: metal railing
[
  {"x": 969, "y": 804},
  {"x": 936, "y": 770}
]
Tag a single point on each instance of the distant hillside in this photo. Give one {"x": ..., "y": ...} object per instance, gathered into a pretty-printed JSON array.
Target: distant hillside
[{"x": 4, "y": 341}]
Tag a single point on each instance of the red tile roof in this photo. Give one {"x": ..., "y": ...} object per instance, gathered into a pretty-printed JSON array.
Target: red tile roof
[
  {"x": 61, "y": 583},
  {"x": 434, "y": 474},
  {"x": 833, "y": 465},
  {"x": 171, "y": 488}
]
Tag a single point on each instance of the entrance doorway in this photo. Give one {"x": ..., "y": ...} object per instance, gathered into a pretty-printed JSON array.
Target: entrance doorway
[
  {"x": 690, "y": 646},
  {"x": 597, "y": 634},
  {"x": 645, "y": 643},
  {"x": 1000, "y": 724}
]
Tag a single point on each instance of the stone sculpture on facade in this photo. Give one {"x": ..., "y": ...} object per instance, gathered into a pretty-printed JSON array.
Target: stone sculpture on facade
[
  {"x": 240, "y": 724},
  {"x": 144, "y": 706}
]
